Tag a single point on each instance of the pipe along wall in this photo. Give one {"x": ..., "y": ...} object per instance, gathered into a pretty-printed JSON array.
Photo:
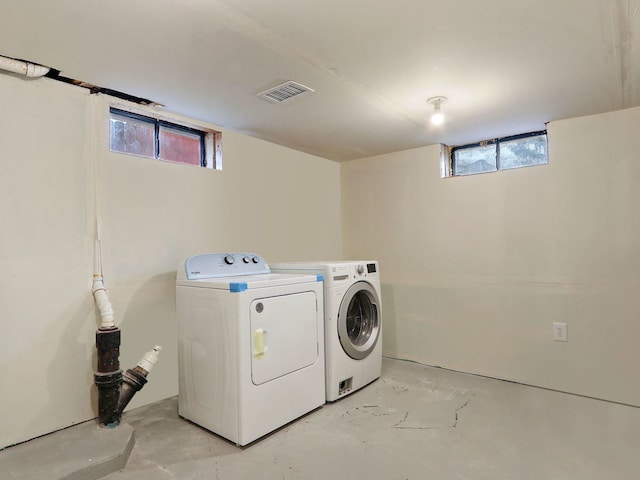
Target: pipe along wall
[
  {"x": 108, "y": 376},
  {"x": 28, "y": 69},
  {"x": 115, "y": 389}
]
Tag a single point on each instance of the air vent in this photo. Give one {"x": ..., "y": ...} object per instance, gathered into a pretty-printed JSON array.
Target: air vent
[{"x": 285, "y": 91}]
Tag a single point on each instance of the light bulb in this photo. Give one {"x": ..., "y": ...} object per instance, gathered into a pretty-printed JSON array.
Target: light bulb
[{"x": 437, "y": 119}]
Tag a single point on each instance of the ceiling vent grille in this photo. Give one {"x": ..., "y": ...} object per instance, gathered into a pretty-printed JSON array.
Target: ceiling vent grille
[{"x": 285, "y": 91}]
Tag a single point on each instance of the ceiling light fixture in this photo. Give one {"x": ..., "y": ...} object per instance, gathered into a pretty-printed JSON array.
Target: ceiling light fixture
[{"x": 437, "y": 118}]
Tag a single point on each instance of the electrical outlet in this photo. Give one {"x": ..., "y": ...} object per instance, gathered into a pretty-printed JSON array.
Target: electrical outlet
[{"x": 560, "y": 332}]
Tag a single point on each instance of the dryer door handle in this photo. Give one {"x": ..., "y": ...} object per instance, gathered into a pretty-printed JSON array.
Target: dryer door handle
[{"x": 259, "y": 343}]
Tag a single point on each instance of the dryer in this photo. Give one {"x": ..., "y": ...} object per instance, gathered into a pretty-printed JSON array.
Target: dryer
[
  {"x": 250, "y": 345},
  {"x": 353, "y": 322}
]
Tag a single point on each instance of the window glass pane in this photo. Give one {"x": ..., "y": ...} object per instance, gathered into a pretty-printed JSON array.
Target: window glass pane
[
  {"x": 474, "y": 160},
  {"x": 180, "y": 146},
  {"x": 133, "y": 136},
  {"x": 523, "y": 152}
]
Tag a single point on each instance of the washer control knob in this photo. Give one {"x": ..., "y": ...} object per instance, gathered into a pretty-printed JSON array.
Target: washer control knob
[
  {"x": 246, "y": 259},
  {"x": 360, "y": 269},
  {"x": 229, "y": 260},
  {"x": 255, "y": 260}
]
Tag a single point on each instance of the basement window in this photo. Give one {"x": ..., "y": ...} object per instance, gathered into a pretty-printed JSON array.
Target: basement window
[
  {"x": 504, "y": 153},
  {"x": 134, "y": 134}
]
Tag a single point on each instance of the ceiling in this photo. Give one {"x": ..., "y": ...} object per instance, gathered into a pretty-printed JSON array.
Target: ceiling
[{"x": 506, "y": 66}]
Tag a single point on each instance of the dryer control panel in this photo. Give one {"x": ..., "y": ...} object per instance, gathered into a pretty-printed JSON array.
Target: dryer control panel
[{"x": 216, "y": 265}]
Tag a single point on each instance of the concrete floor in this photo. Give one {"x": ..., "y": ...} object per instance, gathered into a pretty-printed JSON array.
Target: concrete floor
[{"x": 416, "y": 422}]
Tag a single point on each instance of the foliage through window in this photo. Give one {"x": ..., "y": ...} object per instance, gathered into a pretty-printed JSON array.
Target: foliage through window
[
  {"x": 135, "y": 134},
  {"x": 504, "y": 153}
]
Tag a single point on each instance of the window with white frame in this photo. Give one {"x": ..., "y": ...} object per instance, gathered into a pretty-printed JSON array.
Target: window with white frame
[
  {"x": 504, "y": 153},
  {"x": 135, "y": 134}
]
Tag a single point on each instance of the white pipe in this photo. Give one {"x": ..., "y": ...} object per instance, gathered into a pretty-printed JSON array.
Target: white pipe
[
  {"x": 149, "y": 359},
  {"x": 104, "y": 305},
  {"x": 100, "y": 292},
  {"x": 27, "y": 69}
]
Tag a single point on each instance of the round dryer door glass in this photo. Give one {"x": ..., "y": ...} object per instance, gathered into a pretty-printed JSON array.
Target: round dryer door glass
[{"x": 359, "y": 321}]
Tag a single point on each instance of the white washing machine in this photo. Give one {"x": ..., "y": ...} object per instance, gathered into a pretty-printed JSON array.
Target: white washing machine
[
  {"x": 353, "y": 322},
  {"x": 250, "y": 345}
]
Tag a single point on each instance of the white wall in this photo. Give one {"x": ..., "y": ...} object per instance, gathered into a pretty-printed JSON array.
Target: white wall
[
  {"x": 279, "y": 203},
  {"x": 475, "y": 269}
]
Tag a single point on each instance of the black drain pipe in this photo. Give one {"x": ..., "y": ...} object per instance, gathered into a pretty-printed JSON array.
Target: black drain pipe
[
  {"x": 113, "y": 394},
  {"x": 115, "y": 389},
  {"x": 109, "y": 376}
]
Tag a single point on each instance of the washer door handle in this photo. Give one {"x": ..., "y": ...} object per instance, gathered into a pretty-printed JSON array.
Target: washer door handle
[{"x": 259, "y": 347}]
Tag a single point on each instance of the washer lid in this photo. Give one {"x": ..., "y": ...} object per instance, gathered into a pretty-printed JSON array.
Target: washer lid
[{"x": 242, "y": 283}]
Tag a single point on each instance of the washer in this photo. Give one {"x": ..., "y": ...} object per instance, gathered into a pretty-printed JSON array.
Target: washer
[
  {"x": 353, "y": 322},
  {"x": 250, "y": 345}
]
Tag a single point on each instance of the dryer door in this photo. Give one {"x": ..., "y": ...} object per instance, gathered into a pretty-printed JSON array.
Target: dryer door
[
  {"x": 359, "y": 320},
  {"x": 284, "y": 335}
]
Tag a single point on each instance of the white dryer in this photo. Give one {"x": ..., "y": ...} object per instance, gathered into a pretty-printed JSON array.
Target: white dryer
[
  {"x": 353, "y": 322},
  {"x": 250, "y": 345}
]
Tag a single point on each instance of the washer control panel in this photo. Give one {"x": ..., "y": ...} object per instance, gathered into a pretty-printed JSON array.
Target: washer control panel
[
  {"x": 365, "y": 269},
  {"x": 216, "y": 265},
  {"x": 348, "y": 271}
]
